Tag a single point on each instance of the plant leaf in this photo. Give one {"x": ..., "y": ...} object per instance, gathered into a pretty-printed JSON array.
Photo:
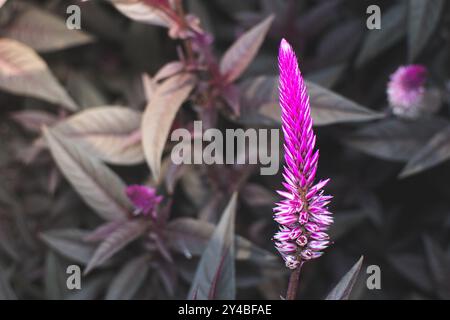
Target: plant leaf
[
  {"x": 168, "y": 70},
  {"x": 55, "y": 277},
  {"x": 413, "y": 268},
  {"x": 110, "y": 133},
  {"x": 116, "y": 241},
  {"x": 439, "y": 265},
  {"x": 43, "y": 31},
  {"x": 344, "y": 287},
  {"x": 256, "y": 195},
  {"x": 393, "y": 28},
  {"x": 327, "y": 77},
  {"x": 98, "y": 185},
  {"x": 190, "y": 237},
  {"x": 85, "y": 90},
  {"x": 327, "y": 107},
  {"x": 6, "y": 292},
  {"x": 345, "y": 222},
  {"x": 69, "y": 243},
  {"x": 34, "y": 120},
  {"x": 215, "y": 275},
  {"x": 394, "y": 139},
  {"x": 103, "y": 231},
  {"x": 436, "y": 151},
  {"x": 423, "y": 17},
  {"x": 93, "y": 287},
  {"x": 127, "y": 282},
  {"x": 159, "y": 115},
  {"x": 138, "y": 10},
  {"x": 238, "y": 57},
  {"x": 22, "y": 71}
]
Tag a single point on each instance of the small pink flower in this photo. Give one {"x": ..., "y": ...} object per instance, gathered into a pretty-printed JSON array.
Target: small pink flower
[
  {"x": 407, "y": 94},
  {"x": 144, "y": 199}
]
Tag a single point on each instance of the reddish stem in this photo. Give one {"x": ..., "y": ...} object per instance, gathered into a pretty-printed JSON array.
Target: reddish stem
[{"x": 293, "y": 283}]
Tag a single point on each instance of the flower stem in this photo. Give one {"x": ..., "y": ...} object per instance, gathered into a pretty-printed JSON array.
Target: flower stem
[
  {"x": 293, "y": 283},
  {"x": 187, "y": 42}
]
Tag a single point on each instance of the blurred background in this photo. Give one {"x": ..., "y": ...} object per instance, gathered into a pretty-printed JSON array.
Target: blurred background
[{"x": 389, "y": 175}]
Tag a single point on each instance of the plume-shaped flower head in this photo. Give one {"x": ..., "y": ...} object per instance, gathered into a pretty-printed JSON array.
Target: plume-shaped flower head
[{"x": 302, "y": 213}]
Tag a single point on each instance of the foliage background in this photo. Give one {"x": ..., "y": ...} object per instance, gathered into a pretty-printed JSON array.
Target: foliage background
[{"x": 397, "y": 221}]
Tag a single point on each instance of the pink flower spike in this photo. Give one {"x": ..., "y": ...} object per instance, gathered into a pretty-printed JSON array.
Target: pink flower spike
[
  {"x": 302, "y": 213},
  {"x": 144, "y": 199}
]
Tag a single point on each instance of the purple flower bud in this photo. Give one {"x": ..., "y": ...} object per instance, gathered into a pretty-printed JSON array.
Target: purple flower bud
[
  {"x": 321, "y": 219},
  {"x": 303, "y": 217},
  {"x": 286, "y": 247},
  {"x": 318, "y": 245},
  {"x": 302, "y": 241},
  {"x": 407, "y": 94},
  {"x": 303, "y": 209},
  {"x": 295, "y": 233},
  {"x": 308, "y": 254},
  {"x": 291, "y": 262},
  {"x": 319, "y": 236},
  {"x": 285, "y": 219},
  {"x": 283, "y": 235},
  {"x": 144, "y": 199}
]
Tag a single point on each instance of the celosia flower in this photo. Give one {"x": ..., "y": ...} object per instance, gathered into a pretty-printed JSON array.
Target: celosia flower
[
  {"x": 407, "y": 94},
  {"x": 302, "y": 214},
  {"x": 144, "y": 199}
]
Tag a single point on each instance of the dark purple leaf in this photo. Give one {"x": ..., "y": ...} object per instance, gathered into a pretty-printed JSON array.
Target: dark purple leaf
[
  {"x": 215, "y": 276},
  {"x": 344, "y": 287},
  {"x": 434, "y": 152}
]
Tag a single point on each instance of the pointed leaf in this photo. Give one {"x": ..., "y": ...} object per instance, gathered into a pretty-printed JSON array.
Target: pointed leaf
[
  {"x": 439, "y": 264},
  {"x": 97, "y": 184},
  {"x": 327, "y": 77},
  {"x": 256, "y": 195},
  {"x": 190, "y": 237},
  {"x": 423, "y": 17},
  {"x": 139, "y": 11},
  {"x": 43, "y": 31},
  {"x": 394, "y": 139},
  {"x": 23, "y": 72},
  {"x": 85, "y": 90},
  {"x": 345, "y": 222},
  {"x": 436, "y": 151},
  {"x": 106, "y": 133},
  {"x": 69, "y": 243},
  {"x": 215, "y": 276},
  {"x": 344, "y": 287},
  {"x": 168, "y": 70},
  {"x": 103, "y": 231},
  {"x": 92, "y": 288},
  {"x": 127, "y": 282},
  {"x": 393, "y": 28},
  {"x": 6, "y": 292},
  {"x": 116, "y": 241},
  {"x": 55, "y": 277},
  {"x": 159, "y": 115},
  {"x": 413, "y": 268},
  {"x": 241, "y": 53},
  {"x": 34, "y": 120},
  {"x": 327, "y": 107}
]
